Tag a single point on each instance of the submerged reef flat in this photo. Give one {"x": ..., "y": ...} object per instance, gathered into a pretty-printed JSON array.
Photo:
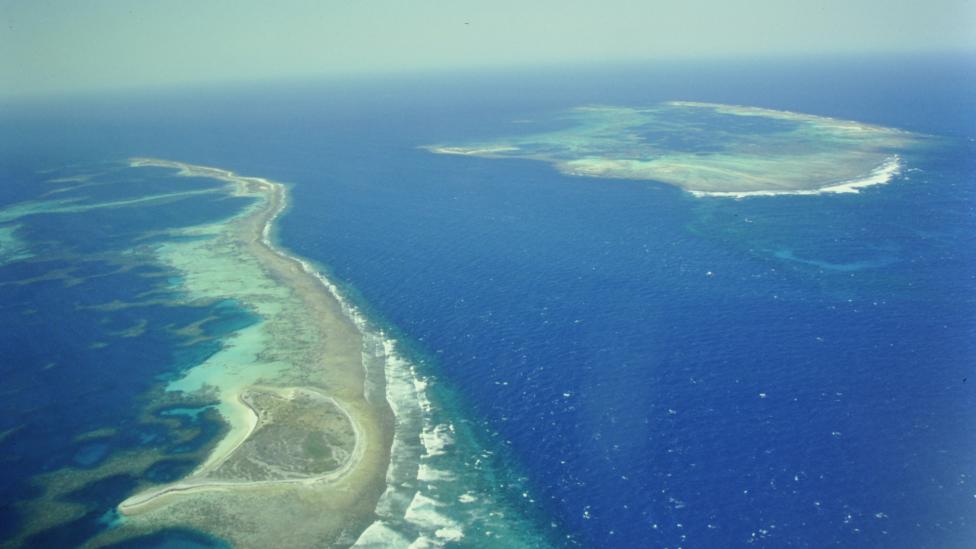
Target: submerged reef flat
[
  {"x": 304, "y": 459},
  {"x": 711, "y": 149}
]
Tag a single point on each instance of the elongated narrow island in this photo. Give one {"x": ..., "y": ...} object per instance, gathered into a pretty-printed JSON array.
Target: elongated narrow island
[{"x": 309, "y": 428}]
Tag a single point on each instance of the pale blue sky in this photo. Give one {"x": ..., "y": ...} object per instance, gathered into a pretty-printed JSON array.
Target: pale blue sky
[{"x": 73, "y": 45}]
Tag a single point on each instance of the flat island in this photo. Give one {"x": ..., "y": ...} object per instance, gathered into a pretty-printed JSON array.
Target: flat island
[
  {"x": 710, "y": 149},
  {"x": 309, "y": 429}
]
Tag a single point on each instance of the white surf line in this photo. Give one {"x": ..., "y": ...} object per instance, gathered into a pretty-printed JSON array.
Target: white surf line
[{"x": 881, "y": 175}]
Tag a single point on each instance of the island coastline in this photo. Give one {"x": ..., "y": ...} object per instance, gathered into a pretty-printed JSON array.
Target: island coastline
[
  {"x": 711, "y": 149},
  {"x": 353, "y": 488}
]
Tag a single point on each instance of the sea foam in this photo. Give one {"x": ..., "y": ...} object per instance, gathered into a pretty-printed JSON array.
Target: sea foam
[
  {"x": 884, "y": 173},
  {"x": 405, "y": 513},
  {"x": 422, "y": 464}
]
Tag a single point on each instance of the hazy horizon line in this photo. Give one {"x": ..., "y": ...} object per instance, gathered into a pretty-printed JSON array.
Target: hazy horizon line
[{"x": 555, "y": 66}]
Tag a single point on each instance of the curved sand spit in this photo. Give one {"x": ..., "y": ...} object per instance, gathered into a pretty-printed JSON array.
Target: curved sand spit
[{"x": 320, "y": 463}]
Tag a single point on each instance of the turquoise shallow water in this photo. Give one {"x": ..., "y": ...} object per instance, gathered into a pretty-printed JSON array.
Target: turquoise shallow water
[
  {"x": 89, "y": 328},
  {"x": 815, "y": 390}
]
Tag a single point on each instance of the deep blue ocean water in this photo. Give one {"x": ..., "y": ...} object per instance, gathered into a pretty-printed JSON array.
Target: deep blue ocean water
[{"x": 815, "y": 390}]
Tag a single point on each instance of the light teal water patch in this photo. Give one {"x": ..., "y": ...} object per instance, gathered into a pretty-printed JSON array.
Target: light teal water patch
[
  {"x": 167, "y": 237},
  {"x": 111, "y": 519},
  {"x": 231, "y": 317},
  {"x": 12, "y": 247},
  {"x": 187, "y": 357},
  {"x": 212, "y": 268},
  {"x": 841, "y": 267},
  {"x": 73, "y": 205}
]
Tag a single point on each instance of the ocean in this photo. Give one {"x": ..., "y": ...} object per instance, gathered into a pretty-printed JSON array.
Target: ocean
[{"x": 622, "y": 364}]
